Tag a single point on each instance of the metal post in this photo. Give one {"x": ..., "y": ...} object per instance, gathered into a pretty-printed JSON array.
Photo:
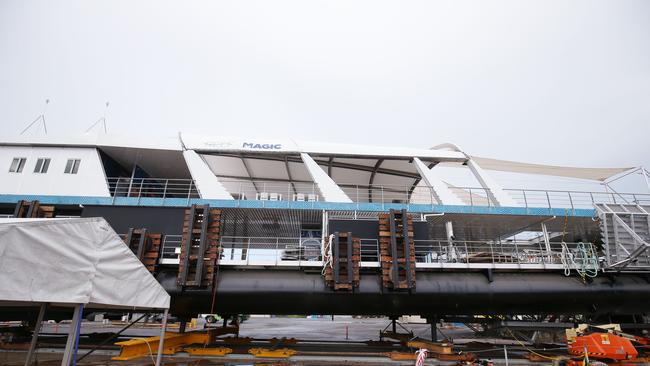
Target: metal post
[
  {"x": 76, "y": 337},
  {"x": 547, "y": 242},
  {"x": 349, "y": 255},
  {"x": 505, "y": 353},
  {"x": 189, "y": 192},
  {"x": 645, "y": 176},
  {"x": 165, "y": 189},
  {"x": 37, "y": 329},
  {"x": 335, "y": 257},
  {"x": 434, "y": 329},
  {"x": 525, "y": 199},
  {"x": 471, "y": 198},
  {"x": 161, "y": 344},
  {"x": 548, "y": 199},
  {"x": 72, "y": 334}
]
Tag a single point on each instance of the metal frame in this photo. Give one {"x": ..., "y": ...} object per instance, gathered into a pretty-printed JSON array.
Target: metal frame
[{"x": 622, "y": 257}]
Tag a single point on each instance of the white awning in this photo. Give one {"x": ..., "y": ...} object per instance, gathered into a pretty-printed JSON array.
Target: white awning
[
  {"x": 599, "y": 174},
  {"x": 73, "y": 261}
]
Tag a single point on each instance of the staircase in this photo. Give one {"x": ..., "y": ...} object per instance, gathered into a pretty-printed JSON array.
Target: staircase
[{"x": 625, "y": 229}]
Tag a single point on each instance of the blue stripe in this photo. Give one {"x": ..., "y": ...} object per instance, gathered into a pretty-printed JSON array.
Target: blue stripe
[{"x": 375, "y": 207}]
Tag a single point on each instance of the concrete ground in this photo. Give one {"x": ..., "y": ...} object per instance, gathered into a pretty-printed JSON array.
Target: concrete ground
[{"x": 342, "y": 328}]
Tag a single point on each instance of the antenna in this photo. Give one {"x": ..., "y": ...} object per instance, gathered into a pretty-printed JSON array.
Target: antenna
[
  {"x": 102, "y": 119},
  {"x": 41, "y": 117}
]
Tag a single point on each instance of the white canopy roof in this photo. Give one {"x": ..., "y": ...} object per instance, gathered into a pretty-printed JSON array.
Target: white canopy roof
[
  {"x": 73, "y": 261},
  {"x": 598, "y": 174}
]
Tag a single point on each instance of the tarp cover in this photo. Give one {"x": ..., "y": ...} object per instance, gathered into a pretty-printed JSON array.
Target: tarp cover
[
  {"x": 599, "y": 174},
  {"x": 76, "y": 261}
]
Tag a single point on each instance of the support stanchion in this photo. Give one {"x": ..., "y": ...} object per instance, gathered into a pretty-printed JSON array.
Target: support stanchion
[
  {"x": 37, "y": 329},
  {"x": 161, "y": 344}
]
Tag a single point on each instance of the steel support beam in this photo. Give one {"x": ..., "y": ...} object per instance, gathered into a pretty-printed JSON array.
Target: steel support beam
[
  {"x": 330, "y": 191},
  {"x": 442, "y": 193},
  {"x": 37, "y": 329}
]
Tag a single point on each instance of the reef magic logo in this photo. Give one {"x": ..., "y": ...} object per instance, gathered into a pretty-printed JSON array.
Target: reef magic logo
[{"x": 250, "y": 145}]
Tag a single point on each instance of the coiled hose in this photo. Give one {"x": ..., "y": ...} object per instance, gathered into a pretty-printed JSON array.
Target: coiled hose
[
  {"x": 326, "y": 252},
  {"x": 583, "y": 259}
]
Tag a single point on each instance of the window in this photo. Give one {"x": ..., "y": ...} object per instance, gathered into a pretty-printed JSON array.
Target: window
[
  {"x": 17, "y": 165},
  {"x": 41, "y": 165},
  {"x": 72, "y": 166}
]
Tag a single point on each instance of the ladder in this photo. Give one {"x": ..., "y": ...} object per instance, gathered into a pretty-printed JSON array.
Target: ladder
[
  {"x": 145, "y": 246},
  {"x": 32, "y": 209},
  {"x": 625, "y": 229},
  {"x": 199, "y": 246},
  {"x": 397, "y": 250},
  {"x": 343, "y": 274}
]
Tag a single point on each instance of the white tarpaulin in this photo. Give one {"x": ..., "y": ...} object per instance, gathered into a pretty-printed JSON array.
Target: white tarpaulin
[
  {"x": 75, "y": 261},
  {"x": 599, "y": 174}
]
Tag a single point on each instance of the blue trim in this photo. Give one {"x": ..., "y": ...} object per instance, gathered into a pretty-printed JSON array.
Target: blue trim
[{"x": 376, "y": 207}]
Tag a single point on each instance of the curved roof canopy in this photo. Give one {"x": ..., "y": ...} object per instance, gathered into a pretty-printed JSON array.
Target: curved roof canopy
[{"x": 598, "y": 174}]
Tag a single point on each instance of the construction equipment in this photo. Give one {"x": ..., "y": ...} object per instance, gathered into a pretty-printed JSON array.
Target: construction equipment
[{"x": 606, "y": 344}]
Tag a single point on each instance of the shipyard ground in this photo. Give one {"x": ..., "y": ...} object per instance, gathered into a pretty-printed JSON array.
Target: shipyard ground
[{"x": 332, "y": 333}]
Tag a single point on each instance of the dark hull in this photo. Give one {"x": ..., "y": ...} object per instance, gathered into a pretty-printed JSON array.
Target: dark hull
[{"x": 297, "y": 292}]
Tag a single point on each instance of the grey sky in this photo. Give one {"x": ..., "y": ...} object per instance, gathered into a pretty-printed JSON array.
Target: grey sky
[{"x": 559, "y": 82}]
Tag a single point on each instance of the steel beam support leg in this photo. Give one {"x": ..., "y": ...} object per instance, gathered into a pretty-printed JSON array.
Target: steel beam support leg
[
  {"x": 202, "y": 244},
  {"x": 434, "y": 329},
  {"x": 68, "y": 353},
  {"x": 161, "y": 344},
  {"x": 37, "y": 329},
  {"x": 335, "y": 257},
  {"x": 393, "y": 250},
  {"x": 407, "y": 248},
  {"x": 349, "y": 261}
]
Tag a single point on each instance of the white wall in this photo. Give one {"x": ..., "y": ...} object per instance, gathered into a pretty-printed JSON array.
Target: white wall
[{"x": 89, "y": 180}]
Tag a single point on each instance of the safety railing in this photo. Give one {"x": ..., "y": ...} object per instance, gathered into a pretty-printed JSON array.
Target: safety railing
[
  {"x": 170, "y": 250},
  {"x": 306, "y": 252},
  {"x": 152, "y": 187},
  {"x": 436, "y": 252},
  {"x": 420, "y": 194},
  {"x": 270, "y": 251}
]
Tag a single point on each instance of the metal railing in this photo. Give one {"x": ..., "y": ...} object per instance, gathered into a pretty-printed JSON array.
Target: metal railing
[
  {"x": 260, "y": 190},
  {"x": 269, "y": 251},
  {"x": 170, "y": 250},
  {"x": 491, "y": 252},
  {"x": 306, "y": 252},
  {"x": 152, "y": 187}
]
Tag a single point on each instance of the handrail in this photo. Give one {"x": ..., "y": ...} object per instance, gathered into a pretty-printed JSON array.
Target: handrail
[{"x": 261, "y": 190}]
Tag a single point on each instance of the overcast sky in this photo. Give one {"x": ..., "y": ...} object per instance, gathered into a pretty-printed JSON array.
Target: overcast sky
[{"x": 558, "y": 82}]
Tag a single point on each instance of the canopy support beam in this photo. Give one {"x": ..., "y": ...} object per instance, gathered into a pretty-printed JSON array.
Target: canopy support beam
[
  {"x": 37, "y": 329},
  {"x": 328, "y": 188},
  {"x": 494, "y": 191},
  {"x": 73, "y": 336},
  {"x": 161, "y": 344},
  {"x": 442, "y": 193}
]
